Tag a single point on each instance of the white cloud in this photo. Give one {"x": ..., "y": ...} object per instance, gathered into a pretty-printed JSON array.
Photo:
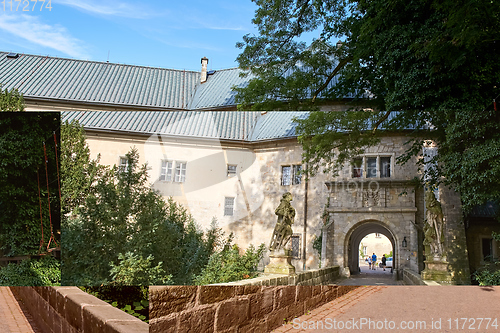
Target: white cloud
[
  {"x": 56, "y": 37},
  {"x": 109, "y": 8}
]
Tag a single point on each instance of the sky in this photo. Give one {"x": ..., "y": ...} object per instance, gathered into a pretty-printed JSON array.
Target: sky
[{"x": 168, "y": 34}]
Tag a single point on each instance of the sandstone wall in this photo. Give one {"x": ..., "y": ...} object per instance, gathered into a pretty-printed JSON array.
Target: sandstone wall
[{"x": 233, "y": 309}]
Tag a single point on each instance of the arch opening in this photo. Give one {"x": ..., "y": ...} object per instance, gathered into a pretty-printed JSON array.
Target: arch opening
[{"x": 356, "y": 235}]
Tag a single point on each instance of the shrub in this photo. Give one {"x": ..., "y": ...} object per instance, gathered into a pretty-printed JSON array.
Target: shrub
[
  {"x": 45, "y": 271},
  {"x": 228, "y": 265}
]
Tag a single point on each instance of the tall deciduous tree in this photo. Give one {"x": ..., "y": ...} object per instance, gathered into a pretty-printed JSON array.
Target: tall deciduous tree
[{"x": 432, "y": 61}]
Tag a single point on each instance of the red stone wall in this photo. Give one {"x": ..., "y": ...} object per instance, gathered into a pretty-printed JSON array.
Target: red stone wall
[
  {"x": 70, "y": 310},
  {"x": 233, "y": 309}
]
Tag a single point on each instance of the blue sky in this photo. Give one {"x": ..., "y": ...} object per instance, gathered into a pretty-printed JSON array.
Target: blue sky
[{"x": 169, "y": 34}]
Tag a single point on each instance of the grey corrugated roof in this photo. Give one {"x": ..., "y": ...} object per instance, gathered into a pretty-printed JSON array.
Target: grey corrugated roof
[
  {"x": 98, "y": 82},
  {"x": 217, "y": 91},
  {"x": 277, "y": 125},
  {"x": 205, "y": 124}
]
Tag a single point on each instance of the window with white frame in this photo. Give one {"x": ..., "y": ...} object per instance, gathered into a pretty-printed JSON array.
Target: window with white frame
[
  {"x": 291, "y": 174},
  {"x": 166, "y": 170},
  {"x": 231, "y": 170},
  {"x": 228, "y": 206},
  {"x": 123, "y": 167},
  {"x": 173, "y": 171},
  {"x": 180, "y": 172},
  {"x": 357, "y": 168},
  {"x": 385, "y": 167},
  {"x": 371, "y": 167}
]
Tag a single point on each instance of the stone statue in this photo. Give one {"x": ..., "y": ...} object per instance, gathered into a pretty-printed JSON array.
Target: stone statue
[
  {"x": 283, "y": 229},
  {"x": 433, "y": 229}
]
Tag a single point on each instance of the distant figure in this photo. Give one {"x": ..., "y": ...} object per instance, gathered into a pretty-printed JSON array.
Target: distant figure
[
  {"x": 374, "y": 261},
  {"x": 369, "y": 262},
  {"x": 283, "y": 229},
  {"x": 384, "y": 260}
]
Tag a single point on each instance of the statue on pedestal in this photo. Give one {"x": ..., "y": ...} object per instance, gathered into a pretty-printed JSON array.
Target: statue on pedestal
[
  {"x": 280, "y": 257},
  {"x": 433, "y": 229},
  {"x": 283, "y": 229}
]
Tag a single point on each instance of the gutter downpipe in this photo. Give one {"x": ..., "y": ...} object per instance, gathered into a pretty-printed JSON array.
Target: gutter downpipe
[{"x": 305, "y": 226}]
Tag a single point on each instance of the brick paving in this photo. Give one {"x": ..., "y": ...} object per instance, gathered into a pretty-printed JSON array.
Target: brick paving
[
  {"x": 423, "y": 309},
  {"x": 12, "y": 317}
]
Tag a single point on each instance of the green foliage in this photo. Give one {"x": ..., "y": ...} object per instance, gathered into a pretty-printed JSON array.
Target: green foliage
[
  {"x": 228, "y": 265},
  {"x": 115, "y": 216},
  {"x": 45, "y": 271},
  {"x": 433, "y": 61},
  {"x": 135, "y": 309},
  {"x": 489, "y": 274},
  {"x": 133, "y": 270},
  {"x": 132, "y": 299},
  {"x": 318, "y": 245},
  {"x": 78, "y": 171},
  {"x": 11, "y": 100},
  {"x": 21, "y": 156}
]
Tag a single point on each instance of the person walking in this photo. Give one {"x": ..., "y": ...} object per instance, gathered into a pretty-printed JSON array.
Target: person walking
[
  {"x": 384, "y": 259},
  {"x": 369, "y": 262},
  {"x": 374, "y": 261}
]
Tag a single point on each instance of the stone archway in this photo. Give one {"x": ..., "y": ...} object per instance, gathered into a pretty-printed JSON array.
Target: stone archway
[{"x": 357, "y": 233}]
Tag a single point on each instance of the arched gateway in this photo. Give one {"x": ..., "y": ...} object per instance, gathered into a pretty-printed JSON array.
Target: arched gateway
[
  {"x": 356, "y": 234},
  {"x": 356, "y": 209}
]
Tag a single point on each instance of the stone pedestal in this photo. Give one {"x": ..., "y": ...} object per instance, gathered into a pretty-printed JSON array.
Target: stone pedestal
[
  {"x": 280, "y": 263},
  {"x": 437, "y": 269}
]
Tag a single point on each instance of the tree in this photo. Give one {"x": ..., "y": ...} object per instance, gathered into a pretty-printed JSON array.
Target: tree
[
  {"x": 11, "y": 100},
  {"x": 119, "y": 229},
  {"x": 78, "y": 171},
  {"x": 23, "y": 182},
  {"x": 432, "y": 61}
]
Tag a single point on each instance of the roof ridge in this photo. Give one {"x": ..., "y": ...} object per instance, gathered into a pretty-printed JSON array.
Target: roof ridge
[{"x": 101, "y": 62}]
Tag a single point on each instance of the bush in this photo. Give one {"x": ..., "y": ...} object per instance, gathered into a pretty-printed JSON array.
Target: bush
[
  {"x": 45, "y": 271},
  {"x": 132, "y": 299},
  {"x": 489, "y": 274},
  {"x": 228, "y": 265},
  {"x": 134, "y": 270}
]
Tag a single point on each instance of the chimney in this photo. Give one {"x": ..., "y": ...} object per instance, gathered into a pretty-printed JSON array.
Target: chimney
[{"x": 204, "y": 63}]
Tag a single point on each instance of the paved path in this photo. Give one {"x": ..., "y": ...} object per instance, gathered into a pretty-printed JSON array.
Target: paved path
[
  {"x": 12, "y": 318},
  {"x": 406, "y": 309},
  {"x": 370, "y": 277}
]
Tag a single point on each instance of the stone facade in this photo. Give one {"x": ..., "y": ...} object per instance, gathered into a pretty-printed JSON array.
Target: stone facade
[{"x": 388, "y": 202}]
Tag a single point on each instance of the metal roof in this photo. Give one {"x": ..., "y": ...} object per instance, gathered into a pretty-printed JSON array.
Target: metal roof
[
  {"x": 99, "y": 82},
  {"x": 217, "y": 91},
  {"x": 277, "y": 125},
  {"x": 201, "y": 124}
]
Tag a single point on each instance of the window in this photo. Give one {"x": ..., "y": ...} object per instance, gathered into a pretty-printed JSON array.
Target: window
[
  {"x": 364, "y": 250},
  {"x": 374, "y": 166},
  {"x": 166, "y": 171},
  {"x": 377, "y": 235},
  {"x": 385, "y": 167},
  {"x": 371, "y": 167},
  {"x": 228, "y": 206},
  {"x": 123, "y": 164},
  {"x": 297, "y": 177},
  {"x": 487, "y": 245},
  {"x": 357, "y": 168},
  {"x": 295, "y": 239},
  {"x": 290, "y": 174},
  {"x": 231, "y": 170},
  {"x": 180, "y": 172}
]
